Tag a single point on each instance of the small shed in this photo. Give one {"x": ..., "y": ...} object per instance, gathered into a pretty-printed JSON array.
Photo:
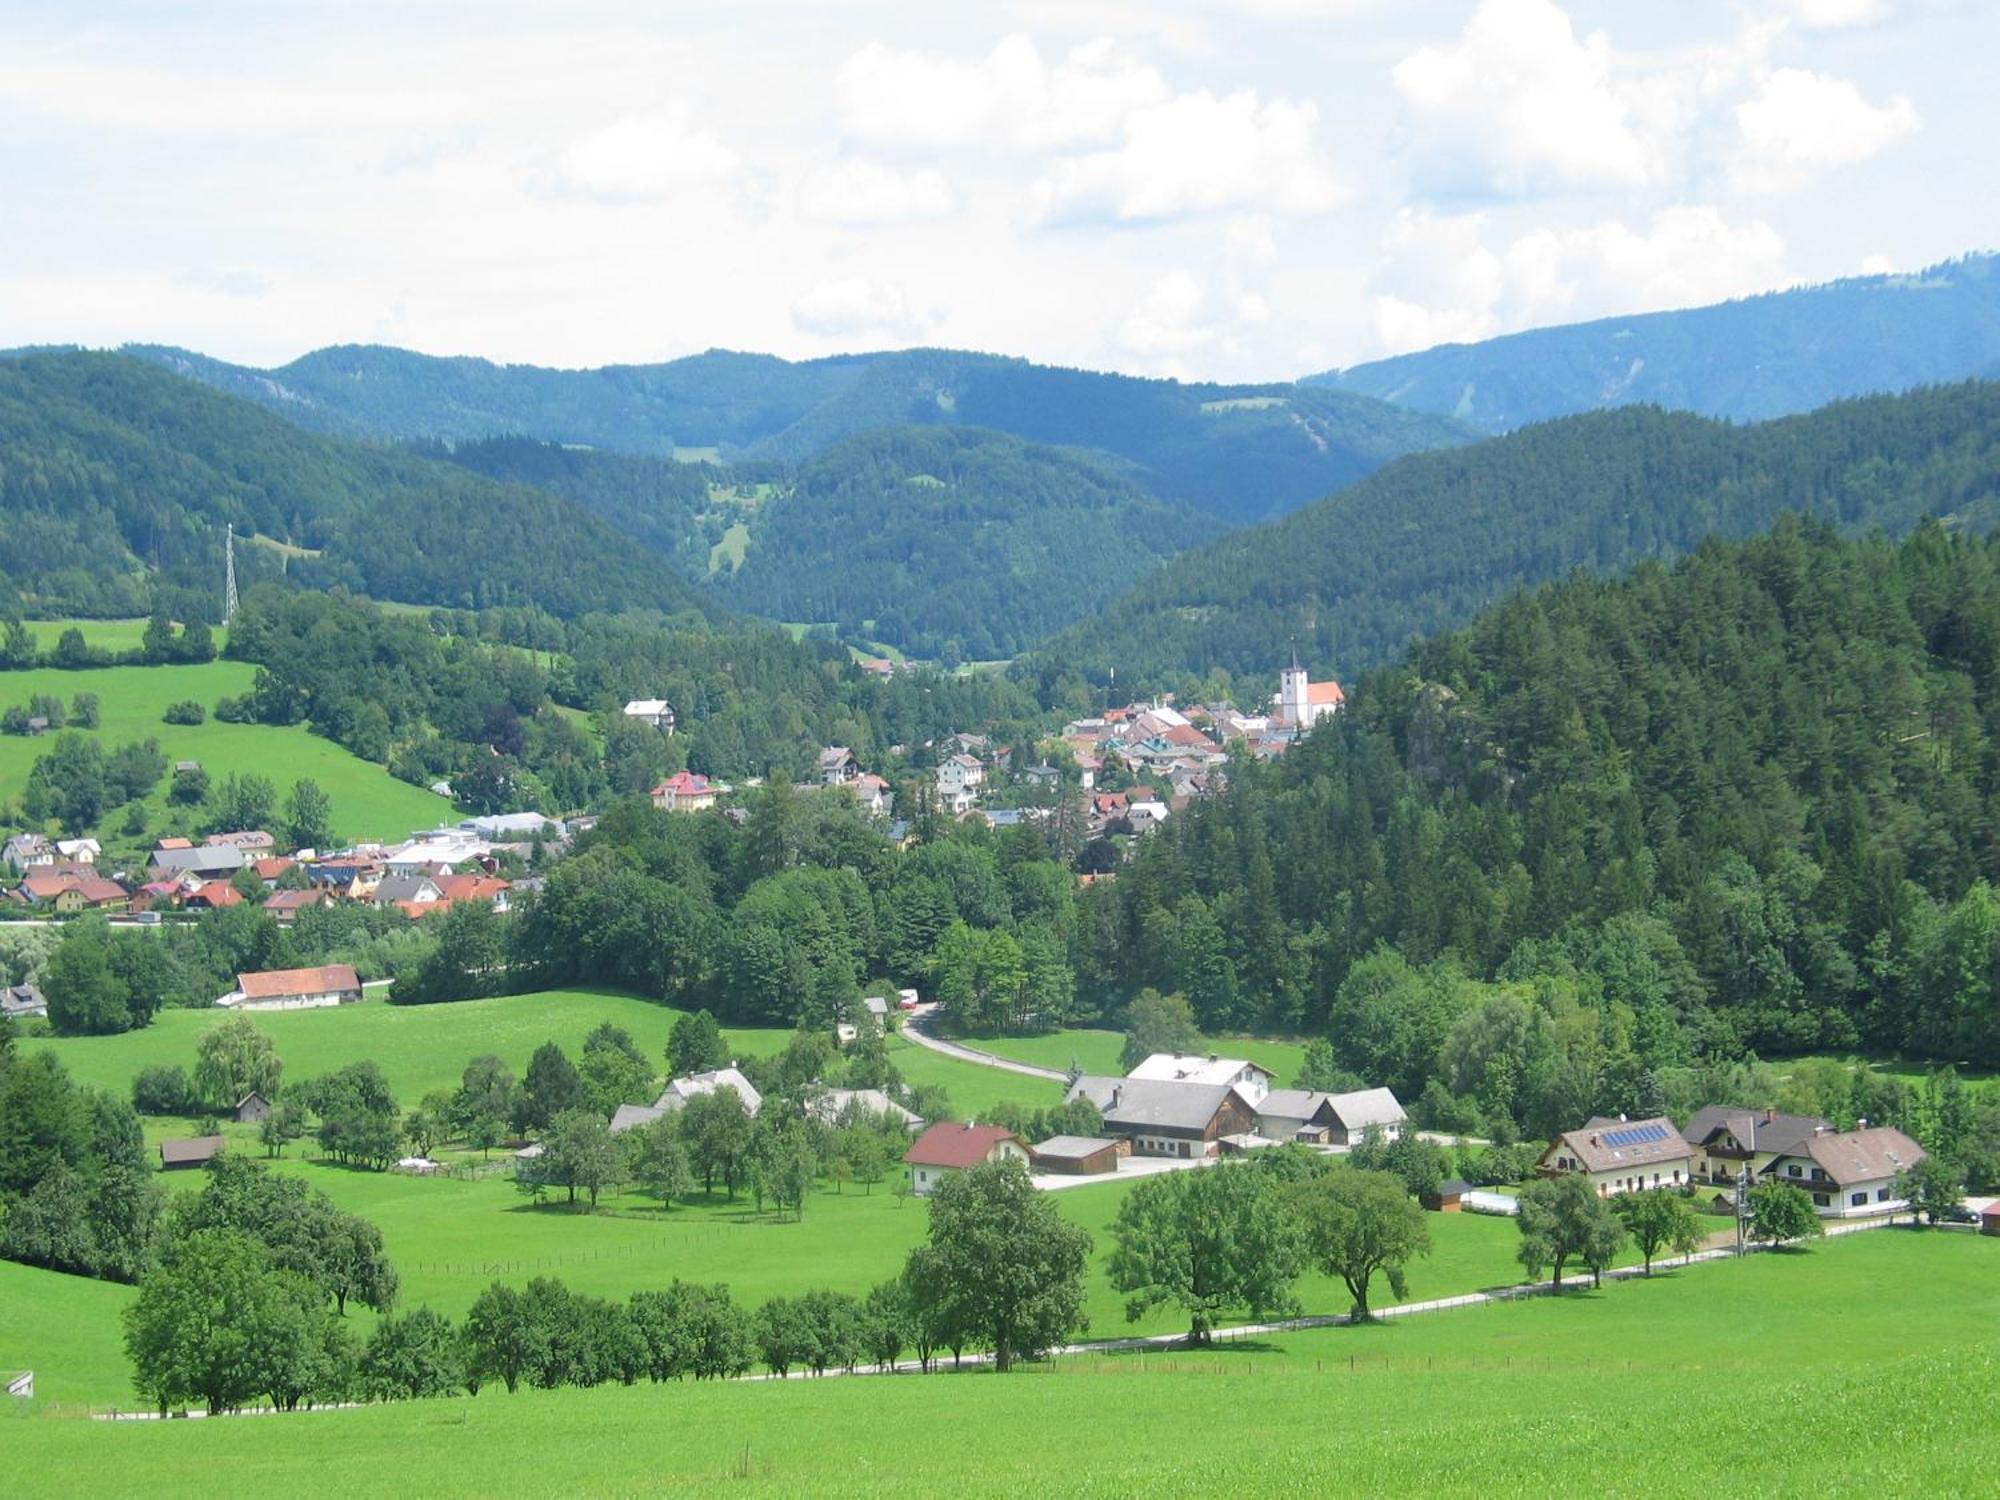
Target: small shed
[
  {"x": 251, "y": 1108},
  {"x": 1449, "y": 1197},
  {"x": 1078, "y": 1155},
  {"x": 1989, "y": 1221},
  {"x": 194, "y": 1151}
]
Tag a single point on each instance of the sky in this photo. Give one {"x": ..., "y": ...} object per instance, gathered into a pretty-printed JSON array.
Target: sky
[{"x": 1213, "y": 189}]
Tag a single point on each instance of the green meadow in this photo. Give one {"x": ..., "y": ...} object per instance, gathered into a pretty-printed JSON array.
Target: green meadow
[
  {"x": 105, "y": 635},
  {"x": 1863, "y": 1366},
  {"x": 367, "y": 801}
]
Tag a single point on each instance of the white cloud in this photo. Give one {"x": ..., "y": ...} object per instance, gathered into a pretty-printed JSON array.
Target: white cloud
[
  {"x": 1010, "y": 98},
  {"x": 1520, "y": 105},
  {"x": 648, "y": 156},
  {"x": 854, "y": 191},
  {"x": 1442, "y": 282},
  {"x": 1832, "y": 14},
  {"x": 1804, "y": 119},
  {"x": 1878, "y": 265},
  {"x": 1217, "y": 320},
  {"x": 1193, "y": 154},
  {"x": 856, "y": 306}
]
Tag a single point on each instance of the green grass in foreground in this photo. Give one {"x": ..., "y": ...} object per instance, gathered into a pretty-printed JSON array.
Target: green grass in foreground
[
  {"x": 1097, "y": 1051},
  {"x": 367, "y": 801},
  {"x": 419, "y": 1047},
  {"x": 1866, "y": 1365}
]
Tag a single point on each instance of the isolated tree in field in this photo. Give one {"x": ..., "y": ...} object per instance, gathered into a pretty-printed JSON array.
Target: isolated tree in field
[
  {"x": 1001, "y": 1264},
  {"x": 240, "y": 802},
  {"x": 1158, "y": 1023},
  {"x": 866, "y": 1154},
  {"x": 550, "y": 1087},
  {"x": 1561, "y": 1219},
  {"x": 717, "y": 1132},
  {"x": 791, "y": 1165},
  {"x": 308, "y": 816},
  {"x": 695, "y": 1045},
  {"x": 234, "y": 1058},
  {"x": 1661, "y": 1222},
  {"x": 1933, "y": 1187},
  {"x": 484, "y": 1102},
  {"x": 1357, "y": 1224},
  {"x": 1780, "y": 1213},
  {"x": 579, "y": 1153},
  {"x": 1206, "y": 1241}
]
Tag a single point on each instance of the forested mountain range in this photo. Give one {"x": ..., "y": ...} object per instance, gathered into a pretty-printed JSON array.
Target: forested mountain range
[
  {"x": 1749, "y": 360},
  {"x": 1431, "y": 540},
  {"x": 1239, "y": 452},
  {"x": 952, "y": 542},
  {"x": 1745, "y": 801},
  {"x": 117, "y": 480}
]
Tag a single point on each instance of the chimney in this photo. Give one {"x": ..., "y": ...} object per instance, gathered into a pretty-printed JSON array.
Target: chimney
[
  {"x": 1819, "y": 1130},
  {"x": 1116, "y": 1090},
  {"x": 1621, "y": 1117},
  {"x": 1593, "y": 1138},
  {"x": 1862, "y": 1123},
  {"x": 1770, "y": 1116}
]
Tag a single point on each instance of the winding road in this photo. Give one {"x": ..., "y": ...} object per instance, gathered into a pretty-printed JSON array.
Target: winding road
[{"x": 916, "y": 1026}]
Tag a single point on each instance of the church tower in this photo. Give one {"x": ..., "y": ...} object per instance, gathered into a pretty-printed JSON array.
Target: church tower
[{"x": 1294, "y": 694}]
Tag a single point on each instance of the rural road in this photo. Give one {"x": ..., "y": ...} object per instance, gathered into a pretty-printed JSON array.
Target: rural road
[{"x": 916, "y": 1028}]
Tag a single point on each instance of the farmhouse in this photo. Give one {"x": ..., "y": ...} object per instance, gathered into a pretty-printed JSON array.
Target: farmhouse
[
  {"x": 680, "y": 1090},
  {"x": 1079, "y": 1155},
  {"x": 1250, "y": 1079},
  {"x": 295, "y": 989},
  {"x": 1322, "y": 1119},
  {"x": 948, "y": 1147},
  {"x": 209, "y": 862},
  {"x": 1167, "y": 1118},
  {"x": 1622, "y": 1156},
  {"x": 1727, "y": 1140},
  {"x": 1849, "y": 1172},
  {"x": 194, "y": 1151},
  {"x": 829, "y": 1105},
  {"x": 634, "y": 1116}
]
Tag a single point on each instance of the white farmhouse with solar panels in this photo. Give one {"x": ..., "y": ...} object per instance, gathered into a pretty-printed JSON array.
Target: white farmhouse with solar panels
[{"x": 1622, "y": 1156}]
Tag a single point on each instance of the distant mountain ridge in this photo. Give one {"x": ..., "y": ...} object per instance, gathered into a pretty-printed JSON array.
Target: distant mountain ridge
[
  {"x": 1240, "y": 453},
  {"x": 1425, "y": 544},
  {"x": 1748, "y": 360}
]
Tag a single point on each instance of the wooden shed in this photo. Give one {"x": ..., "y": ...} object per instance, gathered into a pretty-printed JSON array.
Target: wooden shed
[
  {"x": 1989, "y": 1221},
  {"x": 1449, "y": 1197},
  {"x": 194, "y": 1151},
  {"x": 251, "y": 1108},
  {"x": 1079, "y": 1155}
]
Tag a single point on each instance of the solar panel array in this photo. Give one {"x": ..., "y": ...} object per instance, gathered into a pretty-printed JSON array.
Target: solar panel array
[{"x": 1637, "y": 1135}]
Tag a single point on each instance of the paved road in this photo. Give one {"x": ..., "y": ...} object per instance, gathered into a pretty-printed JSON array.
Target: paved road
[{"x": 916, "y": 1025}]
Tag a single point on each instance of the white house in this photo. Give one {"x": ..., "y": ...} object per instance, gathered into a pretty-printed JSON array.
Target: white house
[
  {"x": 1622, "y": 1156},
  {"x": 837, "y": 766},
  {"x": 681, "y": 1090},
  {"x": 949, "y": 1147},
  {"x": 656, "y": 712},
  {"x": 26, "y": 851},
  {"x": 1727, "y": 1141},
  {"x": 1323, "y": 1119},
  {"x": 1849, "y": 1172},
  {"x": 1251, "y": 1080},
  {"x": 960, "y": 773},
  {"x": 873, "y": 793},
  {"x": 78, "y": 851}
]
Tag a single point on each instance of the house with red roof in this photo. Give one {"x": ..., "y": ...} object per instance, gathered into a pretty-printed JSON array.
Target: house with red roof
[
  {"x": 71, "y": 890},
  {"x": 685, "y": 791},
  {"x": 948, "y": 1147},
  {"x": 285, "y": 906}
]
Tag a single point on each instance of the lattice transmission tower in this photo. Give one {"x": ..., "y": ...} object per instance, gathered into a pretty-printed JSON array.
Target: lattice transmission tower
[{"x": 229, "y": 576}]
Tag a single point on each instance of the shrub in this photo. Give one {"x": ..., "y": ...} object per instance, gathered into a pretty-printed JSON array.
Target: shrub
[
  {"x": 187, "y": 711},
  {"x": 163, "y": 1089}
]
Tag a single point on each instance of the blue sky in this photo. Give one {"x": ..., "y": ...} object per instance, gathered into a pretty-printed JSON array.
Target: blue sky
[{"x": 1230, "y": 189}]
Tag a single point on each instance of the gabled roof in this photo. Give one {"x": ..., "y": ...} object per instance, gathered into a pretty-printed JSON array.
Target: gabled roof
[
  {"x": 948, "y": 1144},
  {"x": 1140, "y": 1103},
  {"x": 633, "y": 1116},
  {"x": 1367, "y": 1107},
  {"x": 1757, "y": 1129},
  {"x": 1609, "y": 1145},
  {"x": 198, "y": 1148},
  {"x": 276, "y": 984},
  {"x": 1861, "y": 1155},
  {"x": 1293, "y": 1104},
  {"x": 831, "y": 1104},
  {"x": 684, "y": 784},
  {"x": 1073, "y": 1147},
  {"x": 1195, "y": 1067},
  {"x": 297, "y": 900},
  {"x": 680, "y": 1090}
]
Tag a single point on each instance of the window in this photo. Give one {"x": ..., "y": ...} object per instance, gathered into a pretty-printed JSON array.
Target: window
[
  {"x": 1820, "y": 1200},
  {"x": 1793, "y": 1170},
  {"x": 1855, "y": 1200},
  {"x": 1881, "y": 1195}
]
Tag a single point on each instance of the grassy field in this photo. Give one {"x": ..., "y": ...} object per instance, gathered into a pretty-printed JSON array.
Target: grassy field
[
  {"x": 105, "y": 635},
  {"x": 420, "y": 1047},
  {"x": 1863, "y": 1366},
  {"x": 1097, "y": 1051},
  {"x": 367, "y": 801}
]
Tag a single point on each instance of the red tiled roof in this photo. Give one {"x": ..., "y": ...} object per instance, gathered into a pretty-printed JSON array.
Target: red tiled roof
[
  {"x": 274, "y": 984},
  {"x": 1324, "y": 692},
  {"x": 218, "y": 894},
  {"x": 295, "y": 900},
  {"x": 470, "y": 887},
  {"x": 950, "y": 1145},
  {"x": 683, "y": 784}
]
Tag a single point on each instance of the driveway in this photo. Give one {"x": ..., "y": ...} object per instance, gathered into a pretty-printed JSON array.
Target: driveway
[{"x": 916, "y": 1026}]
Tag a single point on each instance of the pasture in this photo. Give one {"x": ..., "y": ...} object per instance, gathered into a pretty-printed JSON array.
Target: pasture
[
  {"x": 1866, "y": 1365},
  {"x": 367, "y": 801}
]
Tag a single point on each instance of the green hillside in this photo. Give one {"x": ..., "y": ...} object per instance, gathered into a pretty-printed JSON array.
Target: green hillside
[
  {"x": 1238, "y": 452},
  {"x": 935, "y": 536},
  {"x": 1773, "y": 1364},
  {"x": 117, "y": 480},
  {"x": 1428, "y": 542},
  {"x": 1748, "y": 360},
  {"x": 367, "y": 801}
]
